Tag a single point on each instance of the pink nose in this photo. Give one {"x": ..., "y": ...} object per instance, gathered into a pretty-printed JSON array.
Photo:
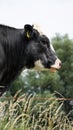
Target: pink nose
[{"x": 57, "y": 64}]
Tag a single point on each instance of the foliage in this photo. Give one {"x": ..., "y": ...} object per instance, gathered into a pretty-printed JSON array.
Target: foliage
[
  {"x": 38, "y": 82},
  {"x": 64, "y": 49}
]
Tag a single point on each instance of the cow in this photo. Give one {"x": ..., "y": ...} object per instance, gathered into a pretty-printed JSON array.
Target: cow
[{"x": 24, "y": 48}]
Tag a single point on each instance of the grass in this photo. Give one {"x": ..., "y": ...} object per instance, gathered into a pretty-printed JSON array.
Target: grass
[{"x": 28, "y": 112}]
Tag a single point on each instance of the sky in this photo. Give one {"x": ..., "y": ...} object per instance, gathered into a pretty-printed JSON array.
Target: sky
[{"x": 53, "y": 16}]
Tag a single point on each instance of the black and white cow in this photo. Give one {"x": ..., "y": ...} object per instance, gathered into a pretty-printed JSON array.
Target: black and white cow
[{"x": 24, "y": 48}]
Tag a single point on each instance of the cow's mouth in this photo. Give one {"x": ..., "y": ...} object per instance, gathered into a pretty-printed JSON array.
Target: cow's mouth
[
  {"x": 53, "y": 69},
  {"x": 39, "y": 66}
]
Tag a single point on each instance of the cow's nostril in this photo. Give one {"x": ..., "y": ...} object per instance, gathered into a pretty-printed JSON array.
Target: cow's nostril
[{"x": 60, "y": 64}]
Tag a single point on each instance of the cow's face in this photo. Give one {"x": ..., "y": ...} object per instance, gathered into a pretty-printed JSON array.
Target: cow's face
[{"x": 40, "y": 53}]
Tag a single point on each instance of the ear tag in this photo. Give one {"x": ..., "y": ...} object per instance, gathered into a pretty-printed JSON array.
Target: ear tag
[{"x": 28, "y": 35}]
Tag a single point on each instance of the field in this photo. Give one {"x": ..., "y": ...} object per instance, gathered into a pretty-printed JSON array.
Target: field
[{"x": 28, "y": 112}]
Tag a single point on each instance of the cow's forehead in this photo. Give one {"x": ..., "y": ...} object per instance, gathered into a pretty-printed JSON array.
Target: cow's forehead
[{"x": 38, "y": 28}]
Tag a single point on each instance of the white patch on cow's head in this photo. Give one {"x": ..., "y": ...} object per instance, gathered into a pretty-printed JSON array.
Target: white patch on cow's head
[
  {"x": 52, "y": 48},
  {"x": 38, "y": 28},
  {"x": 38, "y": 65}
]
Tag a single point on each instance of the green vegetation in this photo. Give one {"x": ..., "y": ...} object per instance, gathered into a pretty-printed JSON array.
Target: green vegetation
[{"x": 64, "y": 48}]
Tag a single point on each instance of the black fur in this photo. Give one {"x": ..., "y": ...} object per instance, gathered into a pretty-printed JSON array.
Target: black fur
[{"x": 20, "y": 48}]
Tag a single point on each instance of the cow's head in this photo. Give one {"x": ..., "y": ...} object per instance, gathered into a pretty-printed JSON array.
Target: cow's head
[{"x": 39, "y": 52}]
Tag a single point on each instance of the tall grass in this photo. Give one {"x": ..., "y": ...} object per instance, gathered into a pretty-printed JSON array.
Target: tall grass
[{"x": 27, "y": 112}]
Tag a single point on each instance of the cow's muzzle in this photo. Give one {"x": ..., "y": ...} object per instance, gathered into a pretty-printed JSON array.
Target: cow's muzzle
[{"x": 56, "y": 65}]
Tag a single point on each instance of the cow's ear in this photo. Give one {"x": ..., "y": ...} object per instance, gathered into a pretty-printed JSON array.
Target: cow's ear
[{"x": 28, "y": 30}]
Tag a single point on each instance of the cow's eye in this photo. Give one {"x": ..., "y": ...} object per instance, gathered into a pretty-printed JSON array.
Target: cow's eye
[
  {"x": 45, "y": 43},
  {"x": 45, "y": 40}
]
